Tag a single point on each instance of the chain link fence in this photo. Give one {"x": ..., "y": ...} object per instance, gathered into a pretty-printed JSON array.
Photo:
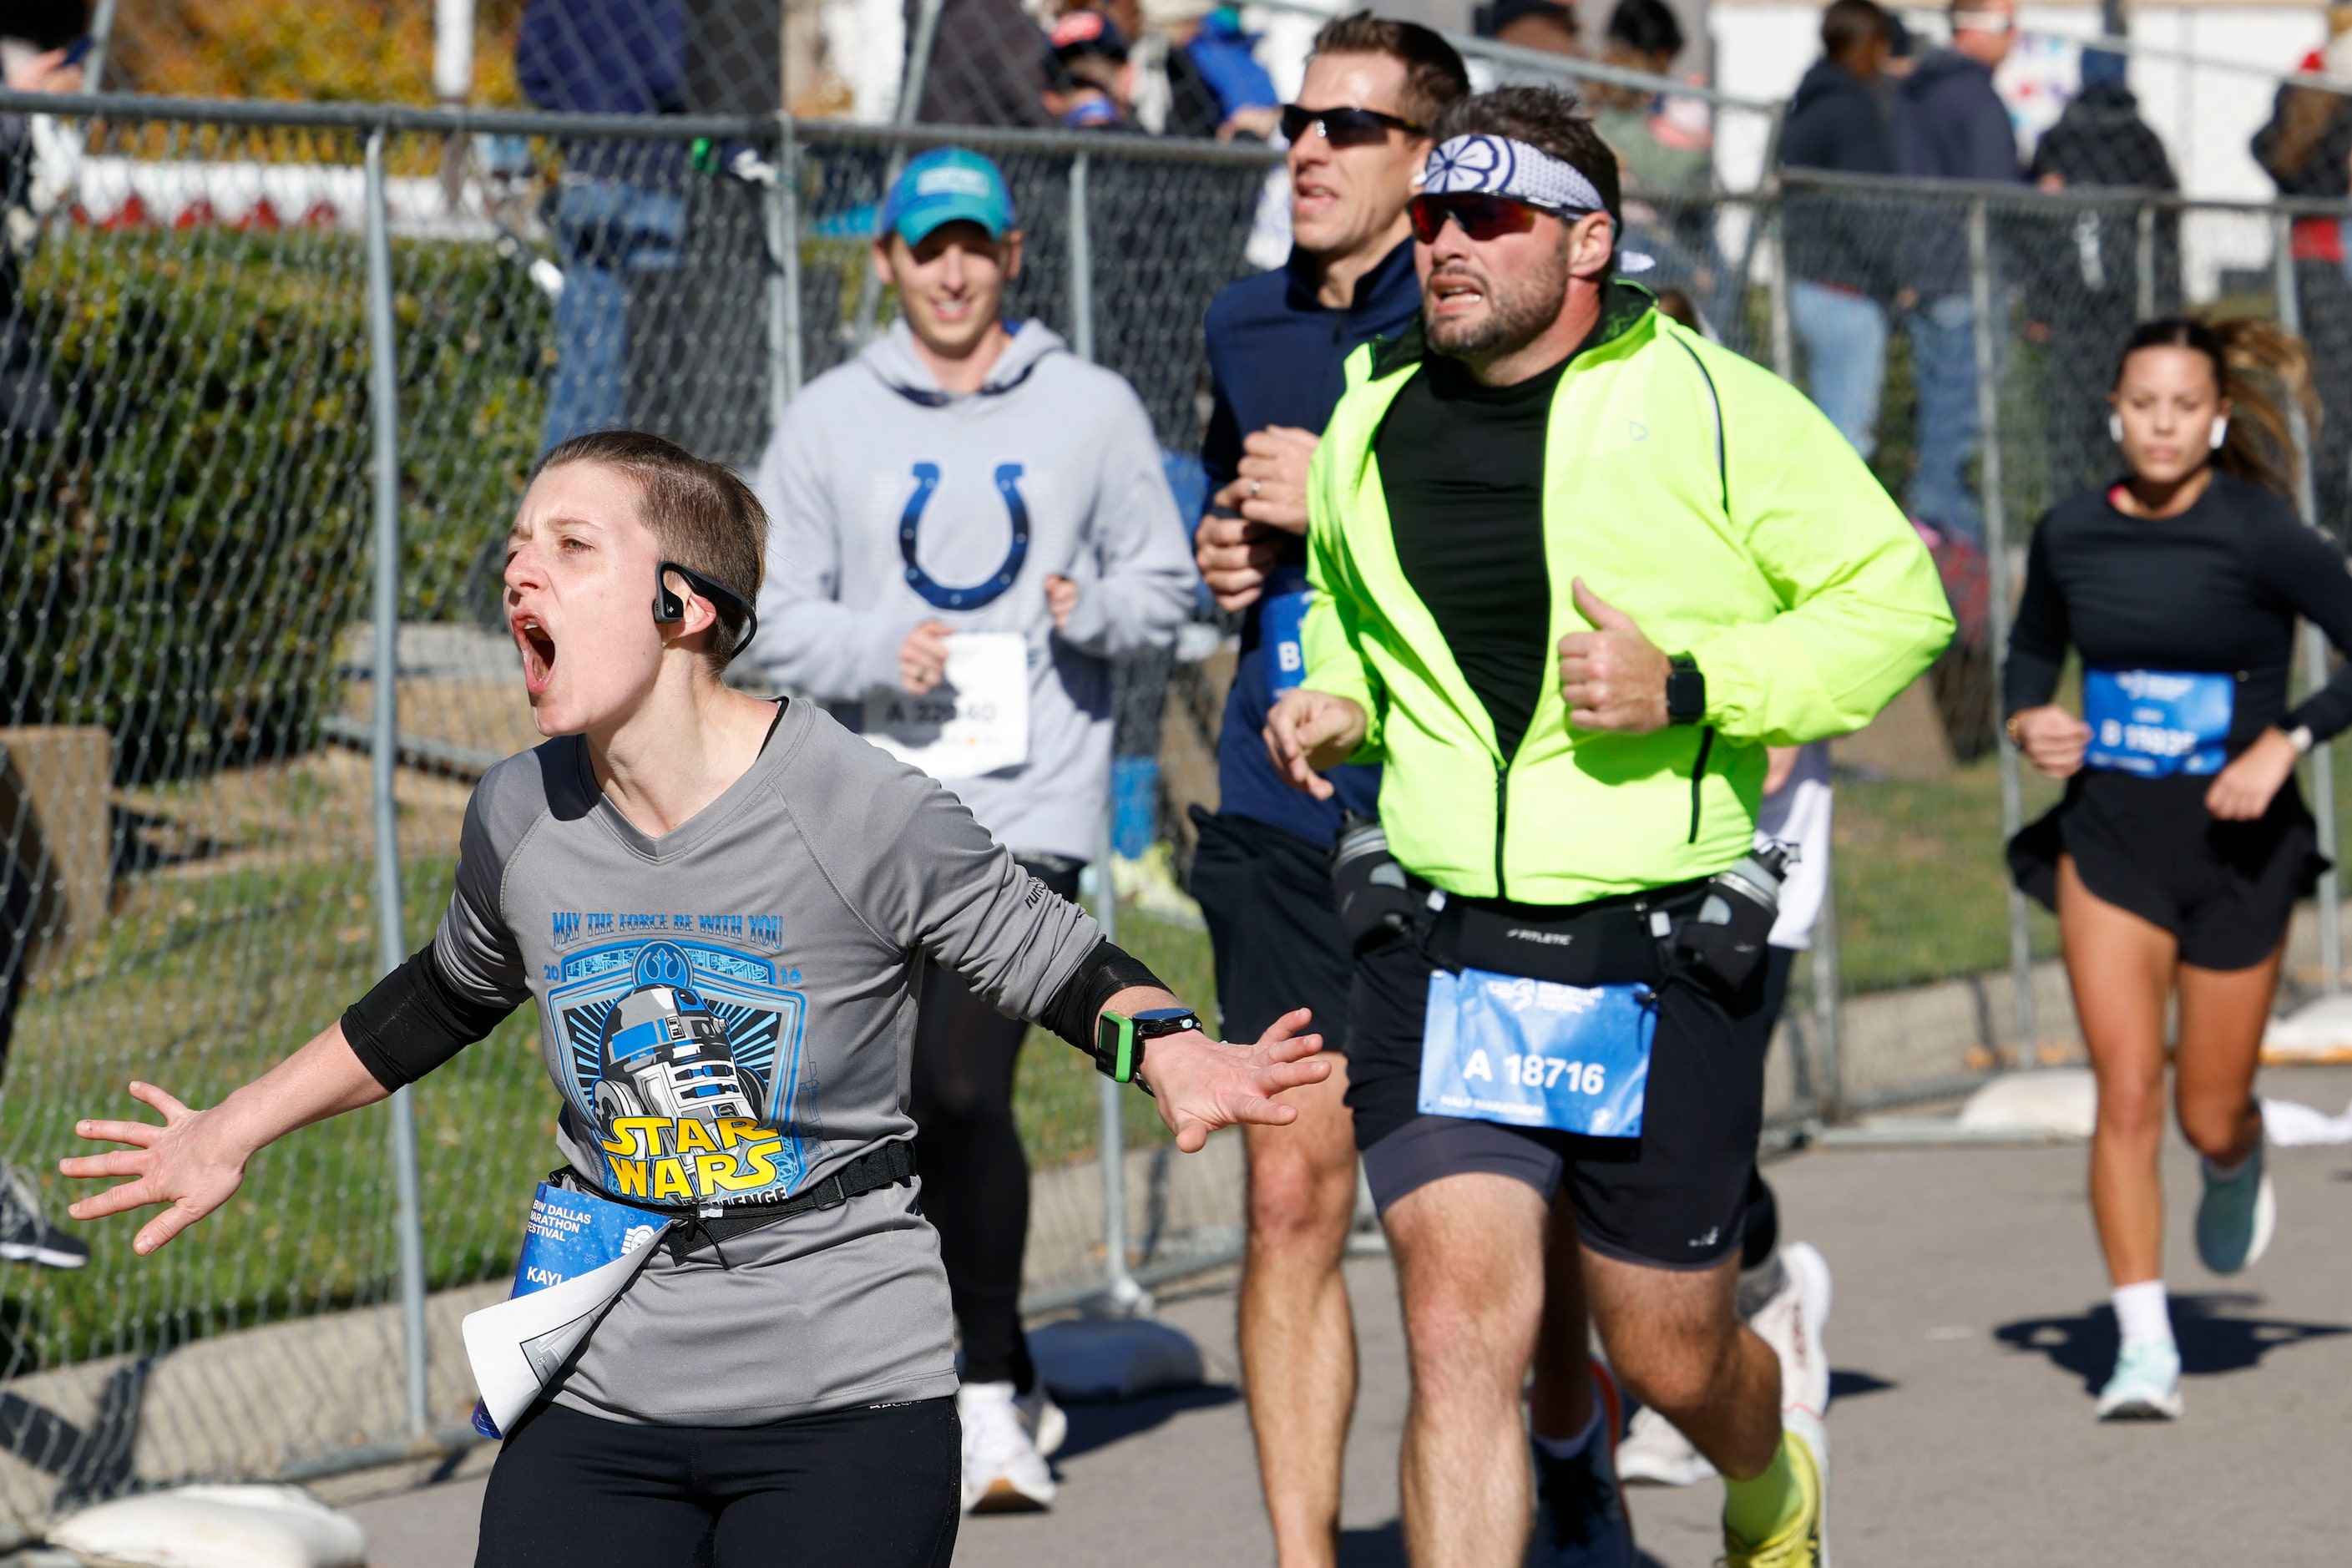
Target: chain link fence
[{"x": 291, "y": 377}]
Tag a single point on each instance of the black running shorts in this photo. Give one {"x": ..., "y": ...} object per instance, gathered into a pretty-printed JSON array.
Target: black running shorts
[
  {"x": 1676, "y": 1198},
  {"x": 1266, "y": 896},
  {"x": 2226, "y": 891}
]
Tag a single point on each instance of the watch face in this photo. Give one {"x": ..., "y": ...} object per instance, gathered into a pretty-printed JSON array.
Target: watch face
[{"x": 1161, "y": 1015}]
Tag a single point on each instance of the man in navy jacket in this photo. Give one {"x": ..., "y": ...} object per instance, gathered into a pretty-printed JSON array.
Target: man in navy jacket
[{"x": 1263, "y": 870}]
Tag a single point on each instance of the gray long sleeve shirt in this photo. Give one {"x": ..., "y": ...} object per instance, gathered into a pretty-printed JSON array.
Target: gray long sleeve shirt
[
  {"x": 1051, "y": 467},
  {"x": 728, "y": 1013}
]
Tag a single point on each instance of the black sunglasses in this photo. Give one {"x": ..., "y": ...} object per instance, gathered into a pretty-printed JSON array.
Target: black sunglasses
[
  {"x": 1344, "y": 127},
  {"x": 1482, "y": 217},
  {"x": 668, "y": 607}
]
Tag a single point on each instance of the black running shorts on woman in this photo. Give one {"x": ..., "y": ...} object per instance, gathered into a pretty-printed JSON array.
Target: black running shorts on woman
[{"x": 1676, "y": 1197}]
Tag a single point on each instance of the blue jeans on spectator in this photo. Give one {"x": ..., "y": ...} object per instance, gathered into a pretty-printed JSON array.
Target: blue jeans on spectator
[
  {"x": 1844, "y": 334},
  {"x": 1944, "y": 367},
  {"x": 607, "y": 229}
]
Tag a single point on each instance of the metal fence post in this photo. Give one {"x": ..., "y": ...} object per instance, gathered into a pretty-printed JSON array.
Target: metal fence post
[
  {"x": 392, "y": 940},
  {"x": 2314, "y": 641},
  {"x": 2146, "y": 260},
  {"x": 2012, "y": 799},
  {"x": 911, "y": 111},
  {"x": 1784, "y": 348},
  {"x": 784, "y": 277},
  {"x": 1121, "y": 1291}
]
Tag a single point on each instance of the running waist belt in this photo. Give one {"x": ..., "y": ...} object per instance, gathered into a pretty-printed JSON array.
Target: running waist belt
[
  {"x": 889, "y": 1166},
  {"x": 1619, "y": 940}
]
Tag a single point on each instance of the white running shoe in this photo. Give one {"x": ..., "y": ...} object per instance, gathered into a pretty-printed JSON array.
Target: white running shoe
[
  {"x": 2146, "y": 1385},
  {"x": 1655, "y": 1451},
  {"x": 1002, "y": 1470},
  {"x": 1791, "y": 1323},
  {"x": 1048, "y": 1427}
]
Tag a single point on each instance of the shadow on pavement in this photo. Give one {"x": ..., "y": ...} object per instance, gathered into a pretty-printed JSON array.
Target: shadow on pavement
[
  {"x": 1847, "y": 1383},
  {"x": 1099, "y": 1425},
  {"x": 2212, "y": 1338}
]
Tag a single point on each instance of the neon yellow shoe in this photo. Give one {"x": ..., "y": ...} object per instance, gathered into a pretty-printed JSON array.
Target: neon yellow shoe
[{"x": 1805, "y": 1543}]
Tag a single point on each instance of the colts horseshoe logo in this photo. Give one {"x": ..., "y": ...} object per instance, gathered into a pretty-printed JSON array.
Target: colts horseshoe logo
[{"x": 910, "y": 524}]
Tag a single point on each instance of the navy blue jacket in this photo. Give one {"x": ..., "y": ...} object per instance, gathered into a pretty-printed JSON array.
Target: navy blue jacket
[
  {"x": 1835, "y": 122},
  {"x": 607, "y": 57},
  {"x": 1950, "y": 124},
  {"x": 1276, "y": 356}
]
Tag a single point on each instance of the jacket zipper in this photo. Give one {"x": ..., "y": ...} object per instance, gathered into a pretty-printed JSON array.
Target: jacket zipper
[
  {"x": 1698, "y": 772},
  {"x": 1502, "y": 817}
]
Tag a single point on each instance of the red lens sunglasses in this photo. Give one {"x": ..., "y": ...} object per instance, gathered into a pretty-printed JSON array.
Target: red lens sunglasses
[{"x": 1482, "y": 217}]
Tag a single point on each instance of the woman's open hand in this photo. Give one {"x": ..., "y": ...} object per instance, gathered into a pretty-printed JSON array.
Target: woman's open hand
[
  {"x": 2052, "y": 738},
  {"x": 1202, "y": 1083},
  {"x": 192, "y": 1161}
]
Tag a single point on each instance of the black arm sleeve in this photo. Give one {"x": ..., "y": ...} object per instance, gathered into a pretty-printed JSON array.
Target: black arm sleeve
[
  {"x": 1100, "y": 976},
  {"x": 2037, "y": 641},
  {"x": 2304, "y": 568},
  {"x": 414, "y": 1021}
]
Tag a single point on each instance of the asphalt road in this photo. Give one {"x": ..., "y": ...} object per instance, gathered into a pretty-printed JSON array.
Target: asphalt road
[{"x": 1970, "y": 1331}]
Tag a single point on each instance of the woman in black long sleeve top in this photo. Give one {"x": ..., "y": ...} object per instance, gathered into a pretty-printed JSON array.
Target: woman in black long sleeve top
[{"x": 2182, "y": 844}]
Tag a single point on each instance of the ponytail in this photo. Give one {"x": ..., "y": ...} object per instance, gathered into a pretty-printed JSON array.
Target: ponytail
[{"x": 2263, "y": 371}]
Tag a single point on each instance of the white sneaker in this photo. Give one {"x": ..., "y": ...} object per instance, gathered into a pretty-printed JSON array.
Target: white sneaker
[
  {"x": 1048, "y": 1427},
  {"x": 1655, "y": 1451},
  {"x": 1791, "y": 1323},
  {"x": 1002, "y": 1470}
]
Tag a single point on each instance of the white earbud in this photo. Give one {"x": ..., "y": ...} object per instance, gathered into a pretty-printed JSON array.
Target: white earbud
[
  {"x": 2115, "y": 428},
  {"x": 2221, "y": 433}
]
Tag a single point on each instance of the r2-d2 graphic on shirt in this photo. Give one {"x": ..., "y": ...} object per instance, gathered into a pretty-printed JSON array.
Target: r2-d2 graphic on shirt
[{"x": 683, "y": 1057}]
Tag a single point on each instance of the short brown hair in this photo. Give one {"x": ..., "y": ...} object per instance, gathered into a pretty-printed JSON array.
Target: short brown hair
[
  {"x": 1434, "y": 75},
  {"x": 705, "y": 518},
  {"x": 1847, "y": 25},
  {"x": 1549, "y": 120}
]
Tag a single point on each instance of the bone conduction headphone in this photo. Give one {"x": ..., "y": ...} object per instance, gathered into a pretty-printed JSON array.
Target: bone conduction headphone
[{"x": 669, "y": 608}]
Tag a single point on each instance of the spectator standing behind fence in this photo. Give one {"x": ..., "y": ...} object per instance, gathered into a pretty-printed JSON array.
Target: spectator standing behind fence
[
  {"x": 2182, "y": 845},
  {"x": 1277, "y": 344},
  {"x": 1840, "y": 246},
  {"x": 985, "y": 65},
  {"x": 970, "y": 522},
  {"x": 1950, "y": 124},
  {"x": 1663, "y": 145},
  {"x": 2306, "y": 148},
  {"x": 1545, "y": 25},
  {"x": 2083, "y": 265},
  {"x": 29, "y": 414},
  {"x": 618, "y": 207}
]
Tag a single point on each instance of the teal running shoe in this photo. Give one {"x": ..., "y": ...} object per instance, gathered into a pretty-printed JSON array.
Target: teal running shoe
[
  {"x": 2146, "y": 1385},
  {"x": 2236, "y": 1216}
]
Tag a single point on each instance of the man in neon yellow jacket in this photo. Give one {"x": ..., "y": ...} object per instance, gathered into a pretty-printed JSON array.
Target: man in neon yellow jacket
[{"x": 1575, "y": 568}]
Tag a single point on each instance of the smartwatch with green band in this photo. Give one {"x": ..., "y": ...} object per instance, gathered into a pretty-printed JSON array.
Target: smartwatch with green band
[{"x": 1118, "y": 1039}]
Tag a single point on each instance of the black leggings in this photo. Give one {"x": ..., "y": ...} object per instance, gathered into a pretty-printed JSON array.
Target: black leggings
[
  {"x": 968, "y": 1152},
  {"x": 871, "y": 1488}
]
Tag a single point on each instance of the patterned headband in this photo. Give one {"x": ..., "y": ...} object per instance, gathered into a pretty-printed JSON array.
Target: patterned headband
[{"x": 1501, "y": 166}]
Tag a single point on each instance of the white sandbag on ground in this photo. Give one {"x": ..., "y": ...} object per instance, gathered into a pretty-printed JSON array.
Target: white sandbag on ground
[
  {"x": 2319, "y": 1031},
  {"x": 1113, "y": 1357},
  {"x": 2061, "y": 1103},
  {"x": 217, "y": 1527}
]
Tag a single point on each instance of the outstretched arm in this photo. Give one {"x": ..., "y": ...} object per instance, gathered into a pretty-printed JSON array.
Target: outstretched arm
[
  {"x": 197, "y": 1159},
  {"x": 1201, "y": 1084}
]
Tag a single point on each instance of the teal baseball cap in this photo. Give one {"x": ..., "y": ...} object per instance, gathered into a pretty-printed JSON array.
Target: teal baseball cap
[{"x": 947, "y": 185}]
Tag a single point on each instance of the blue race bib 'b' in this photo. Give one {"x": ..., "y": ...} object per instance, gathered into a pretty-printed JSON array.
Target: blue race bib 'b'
[
  {"x": 1527, "y": 1053},
  {"x": 2153, "y": 724},
  {"x": 1281, "y": 626}
]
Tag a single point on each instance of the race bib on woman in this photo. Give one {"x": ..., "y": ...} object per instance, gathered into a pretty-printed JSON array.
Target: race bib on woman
[
  {"x": 1527, "y": 1053},
  {"x": 2155, "y": 723}
]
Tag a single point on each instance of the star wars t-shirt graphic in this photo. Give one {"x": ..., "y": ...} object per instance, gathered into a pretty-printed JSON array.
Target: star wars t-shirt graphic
[{"x": 685, "y": 1058}]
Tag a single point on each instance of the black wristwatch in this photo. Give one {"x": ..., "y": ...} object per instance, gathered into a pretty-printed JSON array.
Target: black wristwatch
[
  {"x": 1118, "y": 1039},
  {"x": 1686, "y": 691}
]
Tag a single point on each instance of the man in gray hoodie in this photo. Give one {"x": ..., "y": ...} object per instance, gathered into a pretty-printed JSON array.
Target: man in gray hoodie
[{"x": 968, "y": 523}]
